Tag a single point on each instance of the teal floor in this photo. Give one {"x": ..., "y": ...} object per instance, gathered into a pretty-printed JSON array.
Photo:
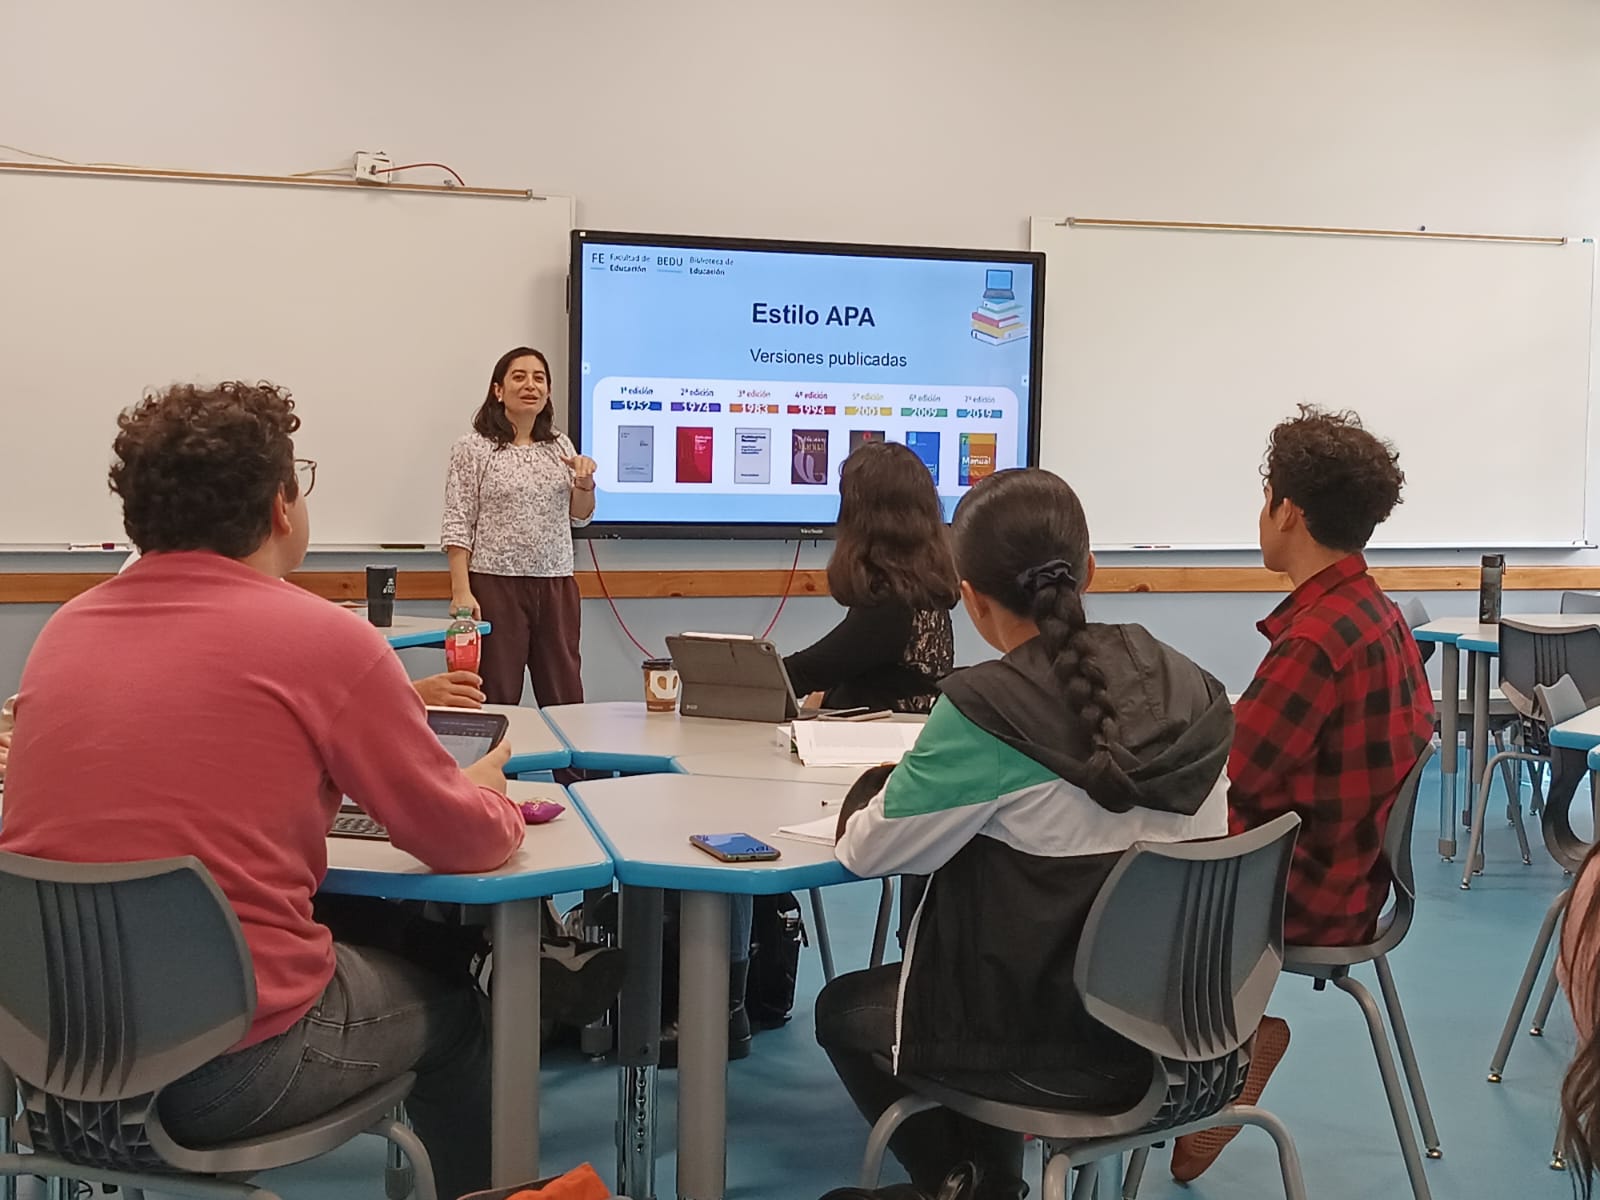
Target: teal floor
[{"x": 793, "y": 1134}]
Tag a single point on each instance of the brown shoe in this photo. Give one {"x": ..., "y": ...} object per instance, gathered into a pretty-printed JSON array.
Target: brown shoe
[{"x": 1192, "y": 1154}]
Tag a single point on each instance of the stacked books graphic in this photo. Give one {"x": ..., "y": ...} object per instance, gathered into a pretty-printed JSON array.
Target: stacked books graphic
[{"x": 998, "y": 318}]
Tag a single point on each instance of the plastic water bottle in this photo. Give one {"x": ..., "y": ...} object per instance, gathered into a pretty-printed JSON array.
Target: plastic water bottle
[{"x": 463, "y": 644}]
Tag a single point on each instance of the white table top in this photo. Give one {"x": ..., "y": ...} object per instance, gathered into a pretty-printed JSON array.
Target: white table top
[
  {"x": 1580, "y": 733},
  {"x": 771, "y": 763},
  {"x": 534, "y": 745},
  {"x": 645, "y": 822},
  {"x": 615, "y": 735},
  {"x": 551, "y": 856}
]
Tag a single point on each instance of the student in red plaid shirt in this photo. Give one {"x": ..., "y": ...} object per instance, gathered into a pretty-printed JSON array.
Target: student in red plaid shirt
[{"x": 1339, "y": 710}]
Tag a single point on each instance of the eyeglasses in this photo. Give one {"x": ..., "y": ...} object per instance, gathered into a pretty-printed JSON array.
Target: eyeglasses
[{"x": 305, "y": 471}]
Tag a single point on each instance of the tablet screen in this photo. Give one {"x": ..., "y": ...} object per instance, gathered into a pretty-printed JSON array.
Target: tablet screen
[{"x": 467, "y": 735}]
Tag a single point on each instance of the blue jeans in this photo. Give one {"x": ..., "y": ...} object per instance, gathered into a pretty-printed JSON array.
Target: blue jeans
[{"x": 379, "y": 1017}]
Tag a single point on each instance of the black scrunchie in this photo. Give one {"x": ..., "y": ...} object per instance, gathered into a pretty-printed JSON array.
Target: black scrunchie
[{"x": 1055, "y": 573}]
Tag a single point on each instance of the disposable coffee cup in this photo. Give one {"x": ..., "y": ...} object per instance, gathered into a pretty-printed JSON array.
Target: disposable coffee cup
[
  {"x": 661, "y": 685},
  {"x": 380, "y": 596}
]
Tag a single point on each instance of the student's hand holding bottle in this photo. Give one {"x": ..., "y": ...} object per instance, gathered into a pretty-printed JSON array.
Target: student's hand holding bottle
[
  {"x": 489, "y": 771},
  {"x": 453, "y": 689}
]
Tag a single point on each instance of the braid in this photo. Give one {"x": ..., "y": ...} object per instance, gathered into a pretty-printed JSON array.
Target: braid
[{"x": 1057, "y": 609}]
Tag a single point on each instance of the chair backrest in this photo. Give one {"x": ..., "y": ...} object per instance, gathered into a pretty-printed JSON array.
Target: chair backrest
[
  {"x": 118, "y": 978},
  {"x": 1183, "y": 944},
  {"x": 1396, "y": 920},
  {"x": 1531, "y": 655},
  {"x": 1415, "y": 613},
  {"x": 1561, "y": 701},
  {"x": 1580, "y": 602}
]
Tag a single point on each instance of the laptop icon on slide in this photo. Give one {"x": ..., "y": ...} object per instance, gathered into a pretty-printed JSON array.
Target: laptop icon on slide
[{"x": 997, "y": 286}]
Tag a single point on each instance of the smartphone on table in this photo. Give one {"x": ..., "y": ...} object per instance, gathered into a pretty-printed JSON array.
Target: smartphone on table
[{"x": 733, "y": 847}]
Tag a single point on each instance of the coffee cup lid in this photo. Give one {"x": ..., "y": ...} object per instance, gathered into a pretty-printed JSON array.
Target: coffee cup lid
[{"x": 658, "y": 664}]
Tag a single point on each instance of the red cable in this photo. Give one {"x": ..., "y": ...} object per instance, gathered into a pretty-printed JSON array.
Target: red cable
[
  {"x": 411, "y": 166},
  {"x": 606, "y": 592},
  {"x": 787, "y": 588}
]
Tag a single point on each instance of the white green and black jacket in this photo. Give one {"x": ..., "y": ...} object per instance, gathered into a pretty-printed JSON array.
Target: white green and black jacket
[{"x": 991, "y": 804}]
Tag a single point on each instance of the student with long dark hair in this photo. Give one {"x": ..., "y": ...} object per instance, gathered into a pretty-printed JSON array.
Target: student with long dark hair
[
  {"x": 891, "y": 568},
  {"x": 516, "y": 487},
  {"x": 1579, "y": 966},
  {"x": 1034, "y": 773}
]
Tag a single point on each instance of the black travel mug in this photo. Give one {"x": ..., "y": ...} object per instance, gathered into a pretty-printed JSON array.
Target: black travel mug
[{"x": 380, "y": 596}]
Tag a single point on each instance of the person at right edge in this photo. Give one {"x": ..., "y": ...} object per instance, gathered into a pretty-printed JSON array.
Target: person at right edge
[
  {"x": 1340, "y": 708},
  {"x": 1032, "y": 776}
]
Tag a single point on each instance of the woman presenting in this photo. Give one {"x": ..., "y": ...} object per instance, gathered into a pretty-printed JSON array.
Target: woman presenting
[{"x": 515, "y": 489}]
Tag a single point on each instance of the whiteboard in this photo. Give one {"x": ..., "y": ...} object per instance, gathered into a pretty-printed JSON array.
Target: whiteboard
[
  {"x": 1170, "y": 354},
  {"x": 382, "y": 311}
]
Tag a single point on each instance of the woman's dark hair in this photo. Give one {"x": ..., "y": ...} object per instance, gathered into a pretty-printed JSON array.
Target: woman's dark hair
[
  {"x": 890, "y": 543},
  {"x": 491, "y": 421},
  {"x": 1021, "y": 540},
  {"x": 1347, "y": 481},
  {"x": 197, "y": 468},
  {"x": 1580, "y": 1089}
]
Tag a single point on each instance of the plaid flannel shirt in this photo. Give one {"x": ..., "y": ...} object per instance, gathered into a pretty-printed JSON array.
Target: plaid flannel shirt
[{"x": 1337, "y": 715}]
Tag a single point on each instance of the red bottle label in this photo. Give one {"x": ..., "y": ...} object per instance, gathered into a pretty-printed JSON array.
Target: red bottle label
[{"x": 462, "y": 651}]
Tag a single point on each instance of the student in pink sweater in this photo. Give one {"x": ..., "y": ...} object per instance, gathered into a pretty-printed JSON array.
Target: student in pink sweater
[{"x": 198, "y": 704}]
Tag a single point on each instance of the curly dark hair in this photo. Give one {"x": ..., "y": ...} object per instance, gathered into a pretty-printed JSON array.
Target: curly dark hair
[
  {"x": 890, "y": 543},
  {"x": 491, "y": 421},
  {"x": 1346, "y": 480},
  {"x": 197, "y": 467}
]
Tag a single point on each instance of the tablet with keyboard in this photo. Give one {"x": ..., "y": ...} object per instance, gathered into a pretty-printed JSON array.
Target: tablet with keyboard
[{"x": 466, "y": 733}]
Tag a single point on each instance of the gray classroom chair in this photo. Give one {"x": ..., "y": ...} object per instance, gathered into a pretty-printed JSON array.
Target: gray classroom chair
[
  {"x": 1532, "y": 656},
  {"x": 1563, "y": 701},
  {"x": 1331, "y": 964},
  {"x": 121, "y": 978},
  {"x": 1580, "y": 602},
  {"x": 1179, "y": 955}
]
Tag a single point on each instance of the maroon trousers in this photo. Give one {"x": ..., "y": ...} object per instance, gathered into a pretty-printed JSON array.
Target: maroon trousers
[{"x": 535, "y": 624}]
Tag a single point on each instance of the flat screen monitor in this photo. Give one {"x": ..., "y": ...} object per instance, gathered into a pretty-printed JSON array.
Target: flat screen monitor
[{"x": 721, "y": 383}]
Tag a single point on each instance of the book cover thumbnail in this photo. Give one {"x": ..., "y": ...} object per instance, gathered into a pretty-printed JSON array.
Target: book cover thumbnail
[
  {"x": 694, "y": 454},
  {"x": 977, "y": 457},
  {"x": 925, "y": 445},
  {"x": 810, "y": 456},
  {"x": 752, "y": 456},
  {"x": 636, "y": 454}
]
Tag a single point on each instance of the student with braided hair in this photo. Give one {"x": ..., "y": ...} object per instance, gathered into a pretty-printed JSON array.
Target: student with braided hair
[{"x": 1034, "y": 773}]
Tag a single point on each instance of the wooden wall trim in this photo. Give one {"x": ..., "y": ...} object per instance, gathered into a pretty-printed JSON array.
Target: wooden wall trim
[{"x": 56, "y": 588}]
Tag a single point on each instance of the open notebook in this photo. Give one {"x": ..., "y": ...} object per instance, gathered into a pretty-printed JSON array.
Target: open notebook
[
  {"x": 846, "y": 744},
  {"x": 819, "y": 831}
]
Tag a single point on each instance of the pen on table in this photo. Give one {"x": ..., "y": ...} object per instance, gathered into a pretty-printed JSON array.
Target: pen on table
[
  {"x": 94, "y": 546},
  {"x": 1152, "y": 547}
]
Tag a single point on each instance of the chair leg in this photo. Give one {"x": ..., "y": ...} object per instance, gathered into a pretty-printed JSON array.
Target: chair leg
[
  {"x": 1536, "y": 778},
  {"x": 398, "y": 1176},
  {"x": 1521, "y": 831},
  {"x": 1530, "y": 976},
  {"x": 1511, "y": 776},
  {"x": 1057, "y": 1177},
  {"x": 819, "y": 920},
  {"x": 1408, "y": 1057},
  {"x": 896, "y": 1115},
  {"x": 421, "y": 1167},
  {"x": 880, "y": 932},
  {"x": 1294, "y": 1183},
  {"x": 1391, "y": 1079},
  {"x": 1475, "y": 843},
  {"x": 1088, "y": 1183},
  {"x": 1541, "y": 1014},
  {"x": 1558, "y": 1155},
  {"x": 1135, "y": 1175}
]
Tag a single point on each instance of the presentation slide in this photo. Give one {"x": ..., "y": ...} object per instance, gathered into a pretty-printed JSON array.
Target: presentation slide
[{"x": 723, "y": 385}]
